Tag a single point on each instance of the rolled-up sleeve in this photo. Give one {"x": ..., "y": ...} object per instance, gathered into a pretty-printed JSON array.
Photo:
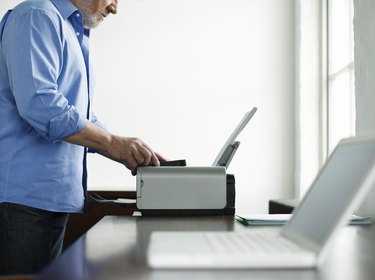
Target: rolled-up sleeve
[
  {"x": 66, "y": 124},
  {"x": 33, "y": 50},
  {"x": 95, "y": 121}
]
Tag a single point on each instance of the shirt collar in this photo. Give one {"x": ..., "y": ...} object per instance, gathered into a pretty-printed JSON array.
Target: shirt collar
[{"x": 65, "y": 7}]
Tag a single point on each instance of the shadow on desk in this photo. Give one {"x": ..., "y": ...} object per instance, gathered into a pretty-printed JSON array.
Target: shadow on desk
[
  {"x": 79, "y": 224},
  {"x": 17, "y": 277}
]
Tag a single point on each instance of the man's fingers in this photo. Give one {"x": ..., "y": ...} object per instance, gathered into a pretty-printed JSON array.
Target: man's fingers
[
  {"x": 134, "y": 153},
  {"x": 147, "y": 156},
  {"x": 155, "y": 160},
  {"x": 151, "y": 156},
  {"x": 138, "y": 156}
]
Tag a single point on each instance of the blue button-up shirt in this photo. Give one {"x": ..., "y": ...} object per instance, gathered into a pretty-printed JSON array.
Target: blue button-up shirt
[{"x": 44, "y": 96}]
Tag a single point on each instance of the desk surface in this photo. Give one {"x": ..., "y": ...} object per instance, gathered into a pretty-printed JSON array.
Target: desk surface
[{"x": 115, "y": 248}]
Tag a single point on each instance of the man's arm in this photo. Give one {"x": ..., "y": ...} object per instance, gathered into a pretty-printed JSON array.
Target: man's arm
[{"x": 132, "y": 152}]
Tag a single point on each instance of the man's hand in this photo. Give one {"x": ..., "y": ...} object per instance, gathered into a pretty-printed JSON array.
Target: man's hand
[{"x": 132, "y": 152}]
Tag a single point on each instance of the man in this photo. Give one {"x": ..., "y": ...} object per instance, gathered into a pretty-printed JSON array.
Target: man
[{"x": 46, "y": 126}]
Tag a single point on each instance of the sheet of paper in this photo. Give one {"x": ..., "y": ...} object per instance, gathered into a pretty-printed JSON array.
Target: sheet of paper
[{"x": 280, "y": 219}]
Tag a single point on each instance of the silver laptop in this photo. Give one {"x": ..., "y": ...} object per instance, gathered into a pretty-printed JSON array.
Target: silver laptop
[{"x": 303, "y": 242}]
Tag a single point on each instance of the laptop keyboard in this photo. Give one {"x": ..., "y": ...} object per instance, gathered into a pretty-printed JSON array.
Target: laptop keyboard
[{"x": 246, "y": 242}]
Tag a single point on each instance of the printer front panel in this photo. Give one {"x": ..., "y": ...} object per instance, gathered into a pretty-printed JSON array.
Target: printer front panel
[{"x": 181, "y": 188}]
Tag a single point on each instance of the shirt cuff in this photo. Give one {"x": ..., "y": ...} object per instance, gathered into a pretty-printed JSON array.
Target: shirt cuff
[{"x": 66, "y": 124}]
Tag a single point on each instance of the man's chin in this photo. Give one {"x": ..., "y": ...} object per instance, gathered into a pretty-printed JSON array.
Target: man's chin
[{"x": 90, "y": 22}]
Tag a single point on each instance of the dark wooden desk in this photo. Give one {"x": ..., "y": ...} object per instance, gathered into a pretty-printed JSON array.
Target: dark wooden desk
[
  {"x": 115, "y": 248},
  {"x": 79, "y": 224}
]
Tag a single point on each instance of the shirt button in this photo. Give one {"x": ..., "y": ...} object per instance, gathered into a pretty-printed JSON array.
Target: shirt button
[
  {"x": 77, "y": 33},
  {"x": 78, "y": 15}
]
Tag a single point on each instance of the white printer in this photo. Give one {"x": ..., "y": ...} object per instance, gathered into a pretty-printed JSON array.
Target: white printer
[{"x": 176, "y": 189}]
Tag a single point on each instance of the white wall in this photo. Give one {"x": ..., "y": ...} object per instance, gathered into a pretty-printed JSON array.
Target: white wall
[
  {"x": 181, "y": 73},
  {"x": 364, "y": 38}
]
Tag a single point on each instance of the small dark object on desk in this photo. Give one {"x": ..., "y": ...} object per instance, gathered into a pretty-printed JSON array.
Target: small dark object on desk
[{"x": 282, "y": 206}]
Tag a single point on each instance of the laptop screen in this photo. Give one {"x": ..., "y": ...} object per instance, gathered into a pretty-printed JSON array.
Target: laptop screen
[{"x": 333, "y": 190}]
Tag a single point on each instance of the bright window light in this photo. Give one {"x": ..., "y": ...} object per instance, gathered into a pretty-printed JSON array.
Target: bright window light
[{"x": 341, "y": 100}]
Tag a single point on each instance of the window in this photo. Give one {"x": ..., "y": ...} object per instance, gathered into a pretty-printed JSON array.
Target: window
[
  {"x": 325, "y": 101},
  {"x": 340, "y": 91}
]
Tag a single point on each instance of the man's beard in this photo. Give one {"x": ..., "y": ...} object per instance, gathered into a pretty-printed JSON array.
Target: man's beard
[{"x": 92, "y": 21}]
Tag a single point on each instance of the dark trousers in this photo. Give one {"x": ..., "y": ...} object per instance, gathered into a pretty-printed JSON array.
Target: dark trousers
[{"x": 29, "y": 238}]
